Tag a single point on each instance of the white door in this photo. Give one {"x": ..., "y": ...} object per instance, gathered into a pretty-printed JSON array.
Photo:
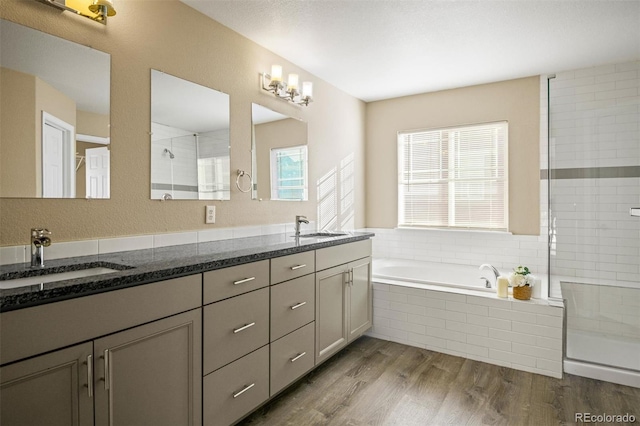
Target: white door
[
  {"x": 97, "y": 176},
  {"x": 52, "y": 162},
  {"x": 58, "y": 158}
]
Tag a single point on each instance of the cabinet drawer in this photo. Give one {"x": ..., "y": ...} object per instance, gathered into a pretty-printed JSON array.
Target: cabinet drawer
[
  {"x": 228, "y": 282},
  {"x": 292, "y": 305},
  {"x": 236, "y": 389},
  {"x": 293, "y": 266},
  {"x": 291, "y": 357},
  {"x": 234, "y": 327},
  {"x": 341, "y": 254}
]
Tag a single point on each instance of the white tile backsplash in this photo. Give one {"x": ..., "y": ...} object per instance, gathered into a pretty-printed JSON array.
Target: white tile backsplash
[
  {"x": 18, "y": 254},
  {"x": 175, "y": 239},
  {"x": 111, "y": 245}
]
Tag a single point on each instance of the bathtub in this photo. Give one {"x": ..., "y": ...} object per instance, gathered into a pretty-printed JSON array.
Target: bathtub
[
  {"x": 447, "y": 308},
  {"x": 431, "y": 275}
]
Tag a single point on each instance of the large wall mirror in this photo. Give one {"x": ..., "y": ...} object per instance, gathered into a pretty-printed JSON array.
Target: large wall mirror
[
  {"x": 54, "y": 116},
  {"x": 279, "y": 156},
  {"x": 189, "y": 140}
]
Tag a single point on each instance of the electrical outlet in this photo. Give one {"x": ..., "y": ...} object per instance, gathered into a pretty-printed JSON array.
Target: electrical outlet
[{"x": 210, "y": 214}]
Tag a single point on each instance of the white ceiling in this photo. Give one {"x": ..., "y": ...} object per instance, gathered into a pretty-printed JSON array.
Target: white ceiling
[{"x": 379, "y": 49}]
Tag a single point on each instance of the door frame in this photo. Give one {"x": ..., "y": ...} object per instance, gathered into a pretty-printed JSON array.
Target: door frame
[{"x": 69, "y": 153}]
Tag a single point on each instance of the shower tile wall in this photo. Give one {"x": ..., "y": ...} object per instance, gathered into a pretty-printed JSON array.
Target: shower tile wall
[
  {"x": 595, "y": 135},
  {"x": 185, "y": 172}
]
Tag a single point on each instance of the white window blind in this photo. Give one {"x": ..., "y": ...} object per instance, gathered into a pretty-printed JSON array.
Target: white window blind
[
  {"x": 289, "y": 173},
  {"x": 454, "y": 177}
]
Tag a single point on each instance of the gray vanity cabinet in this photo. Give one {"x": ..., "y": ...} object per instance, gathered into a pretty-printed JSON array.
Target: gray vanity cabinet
[
  {"x": 343, "y": 296},
  {"x": 50, "y": 389},
  {"x": 150, "y": 375},
  {"x": 132, "y": 356}
]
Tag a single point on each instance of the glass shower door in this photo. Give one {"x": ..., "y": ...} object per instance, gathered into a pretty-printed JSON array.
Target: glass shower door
[{"x": 594, "y": 182}]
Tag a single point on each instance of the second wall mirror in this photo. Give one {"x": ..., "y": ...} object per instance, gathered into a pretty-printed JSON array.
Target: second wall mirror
[
  {"x": 189, "y": 140},
  {"x": 279, "y": 156}
]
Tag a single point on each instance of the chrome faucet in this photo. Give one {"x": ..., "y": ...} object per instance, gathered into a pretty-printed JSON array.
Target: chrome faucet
[
  {"x": 299, "y": 220},
  {"x": 39, "y": 240},
  {"x": 494, "y": 270}
]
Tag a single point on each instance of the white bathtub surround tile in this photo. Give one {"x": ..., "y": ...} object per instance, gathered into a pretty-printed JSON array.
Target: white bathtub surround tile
[
  {"x": 71, "y": 249},
  {"x": 111, "y": 245},
  {"x": 13, "y": 254},
  {"x": 501, "y": 332},
  {"x": 175, "y": 239}
]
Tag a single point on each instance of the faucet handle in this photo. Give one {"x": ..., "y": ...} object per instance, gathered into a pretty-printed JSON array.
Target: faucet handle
[{"x": 39, "y": 232}]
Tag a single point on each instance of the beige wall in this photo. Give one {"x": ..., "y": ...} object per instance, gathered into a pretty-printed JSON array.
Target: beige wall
[
  {"x": 24, "y": 98},
  {"x": 276, "y": 134},
  {"x": 172, "y": 37},
  {"x": 89, "y": 123},
  {"x": 516, "y": 101},
  {"x": 18, "y": 131}
]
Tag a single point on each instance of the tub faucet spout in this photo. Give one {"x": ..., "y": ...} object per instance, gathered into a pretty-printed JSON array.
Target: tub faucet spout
[{"x": 494, "y": 270}]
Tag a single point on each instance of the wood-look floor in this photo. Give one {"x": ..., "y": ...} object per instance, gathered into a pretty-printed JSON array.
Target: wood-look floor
[{"x": 375, "y": 382}]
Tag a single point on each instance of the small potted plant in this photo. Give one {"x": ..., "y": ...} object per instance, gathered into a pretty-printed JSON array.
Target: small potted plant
[{"x": 521, "y": 280}]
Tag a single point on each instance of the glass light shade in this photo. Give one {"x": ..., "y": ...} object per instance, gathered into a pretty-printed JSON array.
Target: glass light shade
[
  {"x": 276, "y": 73},
  {"x": 307, "y": 89},
  {"x": 292, "y": 82}
]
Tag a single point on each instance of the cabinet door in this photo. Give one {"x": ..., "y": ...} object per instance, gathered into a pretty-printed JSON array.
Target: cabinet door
[
  {"x": 331, "y": 319},
  {"x": 360, "y": 298},
  {"x": 151, "y": 374},
  {"x": 48, "y": 390}
]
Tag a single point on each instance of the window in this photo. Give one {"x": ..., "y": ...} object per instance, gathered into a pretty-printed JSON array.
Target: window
[
  {"x": 454, "y": 177},
  {"x": 289, "y": 173}
]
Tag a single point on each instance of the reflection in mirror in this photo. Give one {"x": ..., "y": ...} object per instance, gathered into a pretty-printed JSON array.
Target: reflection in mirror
[
  {"x": 54, "y": 111},
  {"x": 279, "y": 156},
  {"x": 189, "y": 140}
]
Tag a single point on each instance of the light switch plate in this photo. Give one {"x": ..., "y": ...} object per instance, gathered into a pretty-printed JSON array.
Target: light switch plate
[{"x": 210, "y": 214}]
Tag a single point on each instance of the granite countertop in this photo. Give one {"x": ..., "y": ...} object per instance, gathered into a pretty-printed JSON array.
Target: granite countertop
[{"x": 145, "y": 266}]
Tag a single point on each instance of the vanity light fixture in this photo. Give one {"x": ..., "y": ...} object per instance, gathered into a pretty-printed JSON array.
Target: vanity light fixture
[
  {"x": 96, "y": 10},
  {"x": 289, "y": 90}
]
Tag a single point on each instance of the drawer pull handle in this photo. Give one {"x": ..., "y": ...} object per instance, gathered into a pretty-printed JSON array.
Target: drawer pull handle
[
  {"x": 298, "y": 357},
  {"x": 293, "y": 268},
  {"x": 244, "y": 327},
  {"x": 298, "y": 305},
  {"x": 246, "y": 280},
  {"x": 246, "y": 388}
]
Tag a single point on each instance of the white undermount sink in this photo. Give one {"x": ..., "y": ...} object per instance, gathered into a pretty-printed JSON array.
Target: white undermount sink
[{"x": 52, "y": 277}]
